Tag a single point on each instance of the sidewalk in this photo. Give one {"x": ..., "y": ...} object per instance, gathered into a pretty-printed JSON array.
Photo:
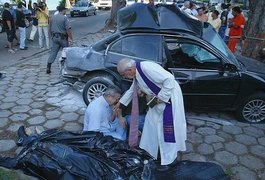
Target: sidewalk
[{"x": 28, "y": 98}]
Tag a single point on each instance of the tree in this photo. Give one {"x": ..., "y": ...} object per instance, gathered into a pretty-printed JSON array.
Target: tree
[
  {"x": 116, "y": 5},
  {"x": 254, "y": 44}
]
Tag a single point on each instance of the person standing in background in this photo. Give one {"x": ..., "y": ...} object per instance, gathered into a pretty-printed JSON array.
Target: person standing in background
[
  {"x": 43, "y": 25},
  {"x": 223, "y": 18},
  {"x": 21, "y": 26},
  {"x": 236, "y": 26},
  {"x": 61, "y": 33},
  {"x": 34, "y": 22},
  {"x": 14, "y": 15},
  {"x": 229, "y": 17},
  {"x": 201, "y": 14},
  {"x": 215, "y": 21},
  {"x": 9, "y": 27}
]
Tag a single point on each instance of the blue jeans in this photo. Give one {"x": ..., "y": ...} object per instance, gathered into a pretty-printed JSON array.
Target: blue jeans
[
  {"x": 116, "y": 130},
  {"x": 141, "y": 121},
  {"x": 221, "y": 31}
]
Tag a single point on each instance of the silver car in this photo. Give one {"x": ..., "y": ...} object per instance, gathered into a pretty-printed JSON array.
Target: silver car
[{"x": 83, "y": 8}]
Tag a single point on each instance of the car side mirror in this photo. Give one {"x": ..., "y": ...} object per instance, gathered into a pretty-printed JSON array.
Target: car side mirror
[{"x": 230, "y": 67}]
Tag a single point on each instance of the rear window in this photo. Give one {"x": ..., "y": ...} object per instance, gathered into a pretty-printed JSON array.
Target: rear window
[{"x": 140, "y": 46}]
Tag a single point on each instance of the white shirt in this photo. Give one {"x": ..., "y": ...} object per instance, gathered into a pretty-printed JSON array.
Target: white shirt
[{"x": 98, "y": 116}]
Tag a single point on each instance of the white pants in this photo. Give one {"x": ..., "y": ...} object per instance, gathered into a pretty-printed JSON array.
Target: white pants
[
  {"x": 45, "y": 30},
  {"x": 22, "y": 34},
  {"x": 33, "y": 32}
]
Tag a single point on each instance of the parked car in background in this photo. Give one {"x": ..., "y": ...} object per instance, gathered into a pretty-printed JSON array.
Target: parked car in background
[
  {"x": 104, "y": 4},
  {"x": 83, "y": 8},
  {"x": 210, "y": 76}
]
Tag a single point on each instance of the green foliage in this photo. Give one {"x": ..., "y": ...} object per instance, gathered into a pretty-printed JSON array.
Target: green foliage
[
  {"x": 61, "y": 2},
  {"x": 7, "y": 174}
]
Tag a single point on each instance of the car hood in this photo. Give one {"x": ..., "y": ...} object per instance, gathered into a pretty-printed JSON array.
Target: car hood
[
  {"x": 252, "y": 65},
  {"x": 78, "y": 8},
  {"x": 82, "y": 58},
  {"x": 160, "y": 17}
]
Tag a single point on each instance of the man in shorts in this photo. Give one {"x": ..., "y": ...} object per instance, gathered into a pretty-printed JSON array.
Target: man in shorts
[{"x": 9, "y": 27}]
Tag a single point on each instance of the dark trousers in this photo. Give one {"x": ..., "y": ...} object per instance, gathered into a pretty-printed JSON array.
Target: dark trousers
[{"x": 58, "y": 42}]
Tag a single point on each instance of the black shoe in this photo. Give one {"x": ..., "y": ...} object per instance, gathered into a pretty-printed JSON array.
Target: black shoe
[
  {"x": 163, "y": 167},
  {"x": 25, "y": 48},
  {"x": 30, "y": 40},
  {"x": 48, "y": 70},
  {"x": 21, "y": 135}
]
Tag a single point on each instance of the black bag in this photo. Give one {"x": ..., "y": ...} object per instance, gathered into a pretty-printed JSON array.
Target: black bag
[{"x": 56, "y": 154}]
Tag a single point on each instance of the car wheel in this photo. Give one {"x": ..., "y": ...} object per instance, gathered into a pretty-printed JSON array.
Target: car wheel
[
  {"x": 87, "y": 13},
  {"x": 27, "y": 22},
  {"x": 95, "y": 12},
  {"x": 72, "y": 15},
  {"x": 252, "y": 109},
  {"x": 95, "y": 87}
]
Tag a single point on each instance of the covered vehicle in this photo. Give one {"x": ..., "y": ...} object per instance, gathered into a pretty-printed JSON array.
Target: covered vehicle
[
  {"x": 209, "y": 74},
  {"x": 83, "y": 8}
]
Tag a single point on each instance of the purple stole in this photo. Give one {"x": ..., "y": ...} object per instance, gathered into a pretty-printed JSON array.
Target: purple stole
[{"x": 168, "y": 125}]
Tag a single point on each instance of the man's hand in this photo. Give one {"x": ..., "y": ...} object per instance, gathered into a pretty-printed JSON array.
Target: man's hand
[
  {"x": 123, "y": 122},
  {"x": 116, "y": 106}
]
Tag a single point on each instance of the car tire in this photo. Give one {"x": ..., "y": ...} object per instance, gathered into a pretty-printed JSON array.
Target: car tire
[
  {"x": 95, "y": 87},
  {"x": 252, "y": 109},
  {"x": 95, "y": 12},
  {"x": 72, "y": 15},
  {"x": 87, "y": 13}
]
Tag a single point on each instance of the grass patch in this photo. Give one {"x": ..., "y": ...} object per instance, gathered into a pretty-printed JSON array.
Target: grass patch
[{"x": 8, "y": 174}]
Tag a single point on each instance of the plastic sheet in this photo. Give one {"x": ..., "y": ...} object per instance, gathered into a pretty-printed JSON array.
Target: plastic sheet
[{"x": 56, "y": 154}]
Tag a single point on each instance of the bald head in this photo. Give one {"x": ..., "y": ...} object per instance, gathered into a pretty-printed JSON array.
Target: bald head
[{"x": 127, "y": 68}]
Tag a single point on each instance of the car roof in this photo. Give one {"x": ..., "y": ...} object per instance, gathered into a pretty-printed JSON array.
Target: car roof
[{"x": 161, "y": 17}]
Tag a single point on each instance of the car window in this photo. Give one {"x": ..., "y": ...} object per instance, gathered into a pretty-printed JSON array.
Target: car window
[
  {"x": 189, "y": 55},
  {"x": 81, "y": 4},
  {"x": 217, "y": 41},
  {"x": 140, "y": 46}
]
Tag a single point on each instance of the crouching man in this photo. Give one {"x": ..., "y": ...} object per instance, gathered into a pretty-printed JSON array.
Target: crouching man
[{"x": 99, "y": 115}]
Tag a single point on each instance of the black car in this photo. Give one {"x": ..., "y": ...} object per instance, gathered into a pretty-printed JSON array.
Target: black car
[{"x": 209, "y": 74}]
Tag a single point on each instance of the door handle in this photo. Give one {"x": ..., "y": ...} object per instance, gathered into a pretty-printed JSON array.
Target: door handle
[{"x": 183, "y": 80}]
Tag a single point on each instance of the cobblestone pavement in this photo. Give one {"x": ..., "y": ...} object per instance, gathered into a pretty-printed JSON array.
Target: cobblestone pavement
[{"x": 28, "y": 98}]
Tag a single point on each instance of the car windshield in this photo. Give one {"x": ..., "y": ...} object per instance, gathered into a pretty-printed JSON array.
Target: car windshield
[
  {"x": 81, "y": 4},
  {"x": 217, "y": 41}
]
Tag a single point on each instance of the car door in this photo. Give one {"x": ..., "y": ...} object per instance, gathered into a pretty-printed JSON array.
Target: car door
[
  {"x": 139, "y": 47},
  {"x": 204, "y": 81}
]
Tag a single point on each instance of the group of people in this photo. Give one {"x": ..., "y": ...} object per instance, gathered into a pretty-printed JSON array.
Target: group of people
[
  {"x": 163, "y": 126},
  {"x": 13, "y": 19},
  {"x": 56, "y": 27},
  {"x": 228, "y": 22}
]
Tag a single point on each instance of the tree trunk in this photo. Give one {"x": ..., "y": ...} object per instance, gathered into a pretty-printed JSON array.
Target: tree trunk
[
  {"x": 116, "y": 5},
  {"x": 254, "y": 44}
]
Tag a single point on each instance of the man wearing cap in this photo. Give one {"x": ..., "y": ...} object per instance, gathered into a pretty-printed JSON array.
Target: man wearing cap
[{"x": 61, "y": 34}]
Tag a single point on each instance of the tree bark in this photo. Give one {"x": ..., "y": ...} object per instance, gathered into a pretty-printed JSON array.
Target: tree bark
[
  {"x": 254, "y": 44},
  {"x": 116, "y": 5}
]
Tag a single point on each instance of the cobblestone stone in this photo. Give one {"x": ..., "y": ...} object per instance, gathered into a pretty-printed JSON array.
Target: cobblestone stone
[
  {"x": 226, "y": 158},
  {"x": 6, "y": 145}
]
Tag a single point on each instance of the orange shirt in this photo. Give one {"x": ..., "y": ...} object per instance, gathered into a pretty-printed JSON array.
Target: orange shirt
[{"x": 240, "y": 22}]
